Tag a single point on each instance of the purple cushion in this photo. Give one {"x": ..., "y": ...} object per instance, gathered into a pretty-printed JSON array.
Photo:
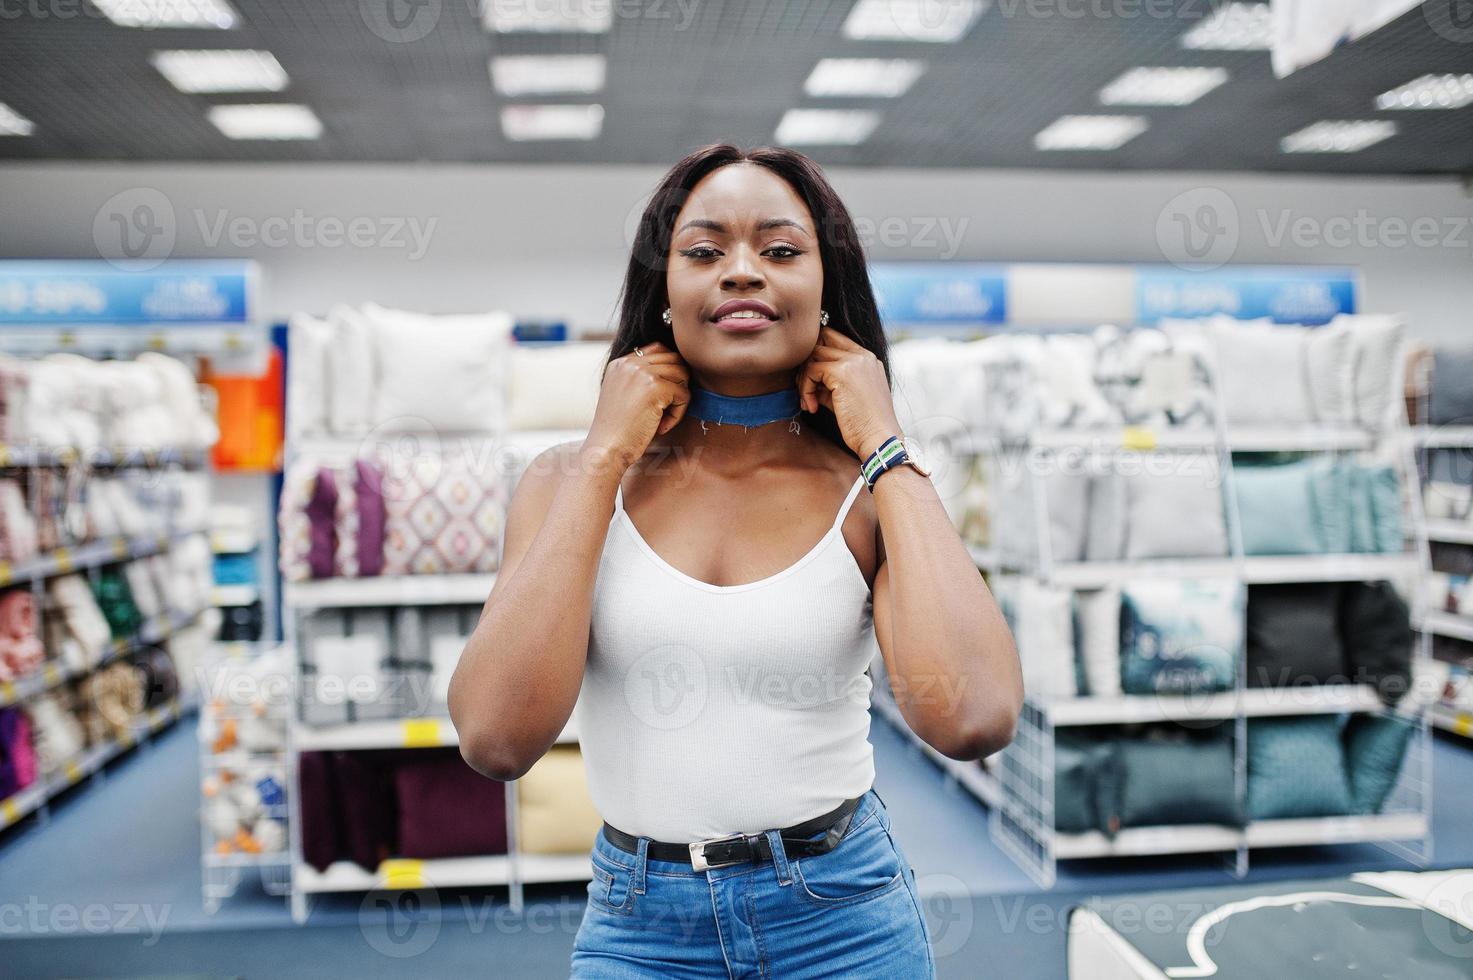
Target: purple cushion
[
  {"x": 447, "y": 809},
  {"x": 370, "y": 485},
  {"x": 317, "y": 794},
  {"x": 320, "y": 514}
]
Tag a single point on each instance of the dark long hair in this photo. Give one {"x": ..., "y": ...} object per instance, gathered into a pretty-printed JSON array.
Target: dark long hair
[{"x": 847, "y": 293}]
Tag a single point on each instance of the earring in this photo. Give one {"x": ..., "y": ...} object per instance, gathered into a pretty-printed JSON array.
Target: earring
[
  {"x": 823, "y": 318},
  {"x": 666, "y": 316}
]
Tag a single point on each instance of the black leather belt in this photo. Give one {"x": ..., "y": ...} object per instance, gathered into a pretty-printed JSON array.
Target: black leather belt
[{"x": 718, "y": 852}]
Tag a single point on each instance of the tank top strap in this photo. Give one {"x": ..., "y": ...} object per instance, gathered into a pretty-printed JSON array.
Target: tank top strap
[{"x": 848, "y": 502}]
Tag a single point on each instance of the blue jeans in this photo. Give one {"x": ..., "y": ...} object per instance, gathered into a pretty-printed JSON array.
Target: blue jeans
[{"x": 852, "y": 912}]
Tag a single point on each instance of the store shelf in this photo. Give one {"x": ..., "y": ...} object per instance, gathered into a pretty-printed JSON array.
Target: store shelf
[
  {"x": 1451, "y": 532},
  {"x": 1459, "y": 721},
  {"x": 971, "y": 775},
  {"x": 103, "y": 551},
  {"x": 1251, "y": 702},
  {"x": 1452, "y": 625},
  {"x": 404, "y": 590},
  {"x": 274, "y": 859},
  {"x": 233, "y": 542},
  {"x": 463, "y": 872},
  {"x": 534, "y": 868},
  {"x": 1145, "y": 439},
  {"x": 234, "y": 595},
  {"x": 402, "y": 733},
  {"x": 1262, "y": 570},
  {"x": 22, "y": 456},
  {"x": 53, "y": 673},
  {"x": 1198, "y": 838},
  {"x": 1442, "y": 436},
  {"x": 87, "y": 762}
]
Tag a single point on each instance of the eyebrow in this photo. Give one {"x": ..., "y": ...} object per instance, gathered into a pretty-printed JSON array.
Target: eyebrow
[{"x": 765, "y": 225}]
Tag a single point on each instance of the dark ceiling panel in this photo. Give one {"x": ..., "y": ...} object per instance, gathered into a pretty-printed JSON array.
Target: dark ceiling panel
[{"x": 680, "y": 75}]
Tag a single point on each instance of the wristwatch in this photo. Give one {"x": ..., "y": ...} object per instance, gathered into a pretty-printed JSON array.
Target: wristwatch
[{"x": 894, "y": 451}]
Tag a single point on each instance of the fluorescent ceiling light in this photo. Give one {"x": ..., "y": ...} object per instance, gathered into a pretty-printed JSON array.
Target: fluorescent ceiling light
[
  {"x": 1162, "y": 86},
  {"x": 883, "y": 78},
  {"x": 13, "y": 123},
  {"x": 1338, "y": 136},
  {"x": 548, "y": 16},
  {"x": 812, "y": 127},
  {"x": 1233, "y": 27},
  {"x": 533, "y": 74},
  {"x": 912, "y": 20},
  {"x": 169, "y": 13},
  {"x": 266, "y": 122},
  {"x": 1090, "y": 132},
  {"x": 221, "y": 71},
  {"x": 552, "y": 122},
  {"x": 1429, "y": 92}
]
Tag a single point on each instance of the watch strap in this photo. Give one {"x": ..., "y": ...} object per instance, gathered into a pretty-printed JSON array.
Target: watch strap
[{"x": 887, "y": 455}]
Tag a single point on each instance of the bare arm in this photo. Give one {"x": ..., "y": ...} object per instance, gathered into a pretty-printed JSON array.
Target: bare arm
[
  {"x": 948, "y": 651},
  {"x": 519, "y": 675}
]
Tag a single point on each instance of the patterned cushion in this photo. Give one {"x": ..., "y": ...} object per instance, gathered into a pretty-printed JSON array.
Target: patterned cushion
[
  {"x": 442, "y": 516},
  {"x": 293, "y": 527}
]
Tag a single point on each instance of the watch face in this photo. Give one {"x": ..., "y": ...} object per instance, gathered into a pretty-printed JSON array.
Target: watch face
[{"x": 917, "y": 453}]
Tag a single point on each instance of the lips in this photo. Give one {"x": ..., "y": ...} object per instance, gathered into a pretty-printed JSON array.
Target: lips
[{"x": 751, "y": 313}]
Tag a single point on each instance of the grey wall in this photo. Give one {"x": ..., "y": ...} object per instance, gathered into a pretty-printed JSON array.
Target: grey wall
[{"x": 551, "y": 241}]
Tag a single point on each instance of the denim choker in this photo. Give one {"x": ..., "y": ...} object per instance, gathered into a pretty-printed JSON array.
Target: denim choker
[{"x": 745, "y": 410}]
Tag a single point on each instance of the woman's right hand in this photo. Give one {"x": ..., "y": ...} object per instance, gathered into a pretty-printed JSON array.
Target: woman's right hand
[{"x": 641, "y": 397}]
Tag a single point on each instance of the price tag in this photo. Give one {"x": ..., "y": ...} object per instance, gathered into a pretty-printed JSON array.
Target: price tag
[
  {"x": 7, "y": 692},
  {"x": 63, "y": 560},
  {"x": 1137, "y": 437},
  {"x": 1463, "y": 725},
  {"x": 73, "y": 772},
  {"x": 155, "y": 341},
  {"x": 52, "y": 675},
  {"x": 120, "y": 548},
  {"x": 9, "y": 813},
  {"x": 4, "y": 455},
  {"x": 4, "y": 573},
  {"x": 126, "y": 739},
  {"x": 402, "y": 873},
  {"x": 422, "y": 733}
]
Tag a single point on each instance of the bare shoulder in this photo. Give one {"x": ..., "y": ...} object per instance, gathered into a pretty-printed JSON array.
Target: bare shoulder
[{"x": 544, "y": 473}]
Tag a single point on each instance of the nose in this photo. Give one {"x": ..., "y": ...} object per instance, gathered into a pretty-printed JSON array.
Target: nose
[{"x": 741, "y": 271}]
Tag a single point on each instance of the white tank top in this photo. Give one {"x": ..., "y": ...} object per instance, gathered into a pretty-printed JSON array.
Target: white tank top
[{"x": 710, "y": 710}]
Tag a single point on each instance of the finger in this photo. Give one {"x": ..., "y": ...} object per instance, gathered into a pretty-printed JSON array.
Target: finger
[
  {"x": 833, "y": 338},
  {"x": 812, "y": 381},
  {"x": 675, "y": 411},
  {"x": 823, "y": 353},
  {"x": 674, "y": 376}
]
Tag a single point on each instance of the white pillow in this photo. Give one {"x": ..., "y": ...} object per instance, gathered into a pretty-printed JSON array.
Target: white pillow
[
  {"x": 1376, "y": 348},
  {"x": 554, "y": 386},
  {"x": 1066, "y": 381},
  {"x": 1045, "y": 637},
  {"x": 444, "y": 371},
  {"x": 1098, "y": 621},
  {"x": 1262, "y": 371},
  {"x": 352, "y": 377},
  {"x": 1329, "y": 372},
  {"x": 309, "y": 347},
  {"x": 1175, "y": 514}
]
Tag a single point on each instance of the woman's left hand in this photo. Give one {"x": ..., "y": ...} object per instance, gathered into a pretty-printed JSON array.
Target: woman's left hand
[{"x": 849, "y": 381}]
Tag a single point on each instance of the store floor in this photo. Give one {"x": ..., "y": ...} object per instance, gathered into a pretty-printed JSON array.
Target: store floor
[{"x": 110, "y": 886}]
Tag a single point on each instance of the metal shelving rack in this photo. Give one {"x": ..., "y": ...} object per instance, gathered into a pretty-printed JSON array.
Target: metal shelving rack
[{"x": 1019, "y": 786}]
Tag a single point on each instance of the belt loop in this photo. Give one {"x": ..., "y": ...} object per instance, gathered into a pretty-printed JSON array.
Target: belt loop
[
  {"x": 779, "y": 857},
  {"x": 636, "y": 882}
]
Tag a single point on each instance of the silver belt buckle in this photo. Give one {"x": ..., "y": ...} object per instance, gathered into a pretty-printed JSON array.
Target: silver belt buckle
[{"x": 698, "y": 850}]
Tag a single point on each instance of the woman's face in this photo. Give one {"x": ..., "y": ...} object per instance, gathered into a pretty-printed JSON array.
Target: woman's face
[{"x": 744, "y": 244}]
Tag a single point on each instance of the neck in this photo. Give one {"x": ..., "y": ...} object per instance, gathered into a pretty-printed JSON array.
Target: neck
[{"x": 747, "y": 421}]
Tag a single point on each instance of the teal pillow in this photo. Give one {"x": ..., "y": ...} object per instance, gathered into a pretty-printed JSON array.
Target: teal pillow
[
  {"x": 1289, "y": 509},
  {"x": 1375, "y": 747},
  {"x": 1384, "y": 490},
  {"x": 1180, "y": 636},
  {"x": 1296, "y": 768},
  {"x": 1173, "y": 780},
  {"x": 1084, "y": 781}
]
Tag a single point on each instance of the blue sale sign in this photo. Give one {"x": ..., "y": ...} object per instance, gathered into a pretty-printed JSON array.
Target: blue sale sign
[
  {"x": 79, "y": 293},
  {"x": 939, "y": 293},
  {"x": 1287, "y": 294}
]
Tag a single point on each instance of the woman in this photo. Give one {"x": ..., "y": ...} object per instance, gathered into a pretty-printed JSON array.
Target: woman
[{"x": 662, "y": 575}]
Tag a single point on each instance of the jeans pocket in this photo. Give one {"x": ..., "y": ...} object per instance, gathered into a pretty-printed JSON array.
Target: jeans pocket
[
  {"x": 609, "y": 889},
  {"x": 862, "y": 867}
]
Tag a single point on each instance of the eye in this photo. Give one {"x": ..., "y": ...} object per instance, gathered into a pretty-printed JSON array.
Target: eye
[
  {"x": 790, "y": 250},
  {"x": 700, "y": 252}
]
